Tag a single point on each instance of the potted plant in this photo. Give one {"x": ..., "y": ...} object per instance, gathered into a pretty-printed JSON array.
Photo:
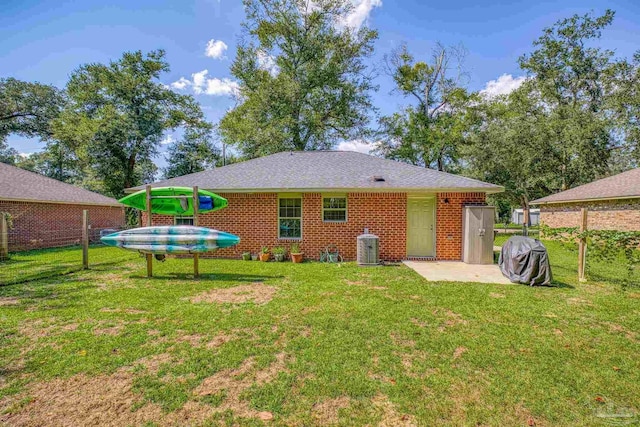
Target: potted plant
[
  {"x": 278, "y": 253},
  {"x": 254, "y": 257},
  {"x": 296, "y": 254},
  {"x": 246, "y": 256},
  {"x": 264, "y": 254}
]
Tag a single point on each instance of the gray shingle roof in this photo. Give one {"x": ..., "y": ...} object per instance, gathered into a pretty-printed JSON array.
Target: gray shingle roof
[
  {"x": 621, "y": 186},
  {"x": 325, "y": 170},
  {"x": 20, "y": 184}
]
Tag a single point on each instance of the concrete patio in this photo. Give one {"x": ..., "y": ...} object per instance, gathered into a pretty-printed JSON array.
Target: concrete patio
[{"x": 455, "y": 271}]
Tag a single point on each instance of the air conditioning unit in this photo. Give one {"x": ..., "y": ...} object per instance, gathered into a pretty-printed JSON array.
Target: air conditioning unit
[{"x": 368, "y": 252}]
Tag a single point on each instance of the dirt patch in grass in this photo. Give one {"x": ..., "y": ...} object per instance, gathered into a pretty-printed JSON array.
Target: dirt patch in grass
[
  {"x": 458, "y": 352},
  {"x": 615, "y": 328},
  {"x": 122, "y": 310},
  {"x": 452, "y": 319},
  {"x": 579, "y": 301},
  {"x": 110, "y": 330},
  {"x": 497, "y": 295},
  {"x": 256, "y": 292},
  {"x": 326, "y": 412},
  {"x": 194, "y": 340},
  {"x": 389, "y": 415},
  {"x": 4, "y": 301},
  {"x": 105, "y": 400},
  {"x": 233, "y": 382},
  {"x": 153, "y": 363},
  {"x": 36, "y": 329}
]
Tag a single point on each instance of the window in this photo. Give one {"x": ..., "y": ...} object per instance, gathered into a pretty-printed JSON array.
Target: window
[
  {"x": 334, "y": 209},
  {"x": 290, "y": 218},
  {"x": 183, "y": 220}
]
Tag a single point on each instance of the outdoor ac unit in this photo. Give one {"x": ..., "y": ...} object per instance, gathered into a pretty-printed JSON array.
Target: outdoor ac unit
[{"x": 368, "y": 252}]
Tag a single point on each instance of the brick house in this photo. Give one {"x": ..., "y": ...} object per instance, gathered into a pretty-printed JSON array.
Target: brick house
[
  {"x": 48, "y": 213},
  {"x": 613, "y": 203},
  {"x": 330, "y": 197}
]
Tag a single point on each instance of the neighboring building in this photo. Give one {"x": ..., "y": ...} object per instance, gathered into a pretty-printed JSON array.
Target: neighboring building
[
  {"x": 613, "y": 204},
  {"x": 517, "y": 216},
  {"x": 319, "y": 198},
  {"x": 48, "y": 213}
]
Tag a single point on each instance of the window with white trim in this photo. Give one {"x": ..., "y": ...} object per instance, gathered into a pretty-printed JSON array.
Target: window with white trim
[
  {"x": 183, "y": 220},
  {"x": 290, "y": 217},
  {"x": 334, "y": 209}
]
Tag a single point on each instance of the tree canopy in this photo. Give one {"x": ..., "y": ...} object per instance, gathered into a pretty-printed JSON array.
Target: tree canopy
[
  {"x": 118, "y": 113},
  {"x": 429, "y": 131},
  {"x": 303, "y": 81}
]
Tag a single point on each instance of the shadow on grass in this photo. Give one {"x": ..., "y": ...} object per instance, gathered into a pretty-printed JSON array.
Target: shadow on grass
[{"x": 220, "y": 277}]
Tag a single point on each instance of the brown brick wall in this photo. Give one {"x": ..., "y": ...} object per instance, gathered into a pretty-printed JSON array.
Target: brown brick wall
[
  {"x": 623, "y": 215},
  {"x": 45, "y": 225},
  {"x": 254, "y": 217},
  {"x": 449, "y": 222}
]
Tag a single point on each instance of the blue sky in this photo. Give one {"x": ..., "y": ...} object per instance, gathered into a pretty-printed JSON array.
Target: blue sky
[{"x": 46, "y": 40}]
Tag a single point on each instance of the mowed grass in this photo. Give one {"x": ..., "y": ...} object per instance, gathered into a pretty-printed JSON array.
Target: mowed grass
[
  {"x": 36, "y": 264},
  {"x": 315, "y": 344}
]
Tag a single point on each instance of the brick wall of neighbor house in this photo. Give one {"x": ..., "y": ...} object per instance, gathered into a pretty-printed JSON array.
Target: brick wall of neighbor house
[
  {"x": 449, "y": 223},
  {"x": 254, "y": 217},
  {"x": 623, "y": 215},
  {"x": 46, "y": 225}
]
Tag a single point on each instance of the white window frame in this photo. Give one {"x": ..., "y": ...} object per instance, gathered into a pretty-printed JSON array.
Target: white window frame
[
  {"x": 290, "y": 196},
  {"x": 345, "y": 209},
  {"x": 175, "y": 219}
]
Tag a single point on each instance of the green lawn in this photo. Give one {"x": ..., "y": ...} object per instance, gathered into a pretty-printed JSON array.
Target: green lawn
[{"x": 315, "y": 344}]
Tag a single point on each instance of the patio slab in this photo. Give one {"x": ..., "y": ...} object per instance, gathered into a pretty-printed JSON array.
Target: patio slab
[{"x": 455, "y": 271}]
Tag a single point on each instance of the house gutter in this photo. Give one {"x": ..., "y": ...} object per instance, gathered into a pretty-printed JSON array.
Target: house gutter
[
  {"x": 597, "y": 199},
  {"x": 491, "y": 190},
  {"x": 60, "y": 202}
]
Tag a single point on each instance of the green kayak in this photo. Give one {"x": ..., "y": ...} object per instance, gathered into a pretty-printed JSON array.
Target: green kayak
[{"x": 165, "y": 202}]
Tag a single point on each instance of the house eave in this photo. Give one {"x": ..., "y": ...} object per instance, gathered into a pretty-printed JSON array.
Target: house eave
[
  {"x": 595, "y": 199},
  {"x": 61, "y": 202},
  {"x": 490, "y": 190}
]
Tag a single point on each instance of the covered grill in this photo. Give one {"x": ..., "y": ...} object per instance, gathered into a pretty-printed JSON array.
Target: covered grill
[{"x": 525, "y": 260}]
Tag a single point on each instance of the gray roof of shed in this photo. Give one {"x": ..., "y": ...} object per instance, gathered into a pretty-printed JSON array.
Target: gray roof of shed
[
  {"x": 324, "y": 170},
  {"x": 621, "y": 186},
  {"x": 23, "y": 185}
]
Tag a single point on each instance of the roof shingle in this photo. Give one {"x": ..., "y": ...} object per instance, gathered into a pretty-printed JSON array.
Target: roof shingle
[
  {"x": 621, "y": 186},
  {"x": 324, "y": 170},
  {"x": 23, "y": 185}
]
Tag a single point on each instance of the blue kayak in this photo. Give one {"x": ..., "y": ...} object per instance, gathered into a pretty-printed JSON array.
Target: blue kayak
[{"x": 171, "y": 239}]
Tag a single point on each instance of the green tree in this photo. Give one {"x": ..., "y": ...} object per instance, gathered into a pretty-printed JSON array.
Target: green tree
[
  {"x": 430, "y": 131},
  {"x": 7, "y": 154},
  {"x": 26, "y": 109},
  {"x": 512, "y": 146},
  {"x": 303, "y": 82},
  {"x": 624, "y": 103},
  {"x": 195, "y": 152},
  {"x": 569, "y": 76},
  {"x": 117, "y": 115}
]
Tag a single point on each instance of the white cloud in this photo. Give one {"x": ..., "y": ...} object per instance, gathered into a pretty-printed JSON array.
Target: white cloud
[
  {"x": 203, "y": 85},
  {"x": 503, "y": 85},
  {"x": 181, "y": 83},
  {"x": 359, "y": 145},
  {"x": 360, "y": 13},
  {"x": 268, "y": 63},
  {"x": 221, "y": 87},
  {"x": 167, "y": 140},
  {"x": 215, "y": 49},
  {"x": 25, "y": 155}
]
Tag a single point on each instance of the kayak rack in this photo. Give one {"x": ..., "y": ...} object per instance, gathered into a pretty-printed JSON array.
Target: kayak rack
[{"x": 196, "y": 203}]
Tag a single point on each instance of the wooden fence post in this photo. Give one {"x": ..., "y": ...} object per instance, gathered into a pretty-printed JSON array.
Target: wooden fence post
[
  {"x": 149, "y": 256},
  {"x": 4, "y": 237},
  {"x": 582, "y": 247},
  {"x": 85, "y": 239},
  {"x": 196, "y": 208}
]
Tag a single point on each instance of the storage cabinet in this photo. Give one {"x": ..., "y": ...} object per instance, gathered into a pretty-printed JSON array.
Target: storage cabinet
[{"x": 477, "y": 234}]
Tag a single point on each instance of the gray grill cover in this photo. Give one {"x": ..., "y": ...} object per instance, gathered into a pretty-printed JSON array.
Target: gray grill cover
[{"x": 525, "y": 260}]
